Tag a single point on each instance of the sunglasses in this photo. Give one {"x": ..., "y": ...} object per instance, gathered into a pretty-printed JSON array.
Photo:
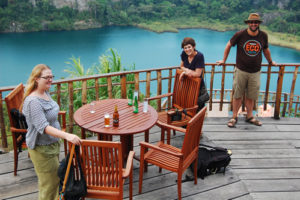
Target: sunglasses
[
  {"x": 47, "y": 77},
  {"x": 253, "y": 22}
]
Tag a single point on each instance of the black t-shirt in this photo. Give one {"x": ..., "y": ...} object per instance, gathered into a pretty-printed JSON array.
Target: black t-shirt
[
  {"x": 197, "y": 62},
  {"x": 249, "y": 50}
]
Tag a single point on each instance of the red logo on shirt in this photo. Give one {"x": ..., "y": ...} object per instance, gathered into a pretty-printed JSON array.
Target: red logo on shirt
[{"x": 252, "y": 47}]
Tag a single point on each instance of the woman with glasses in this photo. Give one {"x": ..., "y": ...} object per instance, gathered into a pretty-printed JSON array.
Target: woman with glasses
[
  {"x": 43, "y": 132},
  {"x": 250, "y": 42}
]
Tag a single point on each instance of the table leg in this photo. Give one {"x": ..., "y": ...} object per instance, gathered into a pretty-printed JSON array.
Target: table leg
[
  {"x": 127, "y": 145},
  {"x": 82, "y": 133},
  {"x": 146, "y": 140},
  {"x": 104, "y": 137}
]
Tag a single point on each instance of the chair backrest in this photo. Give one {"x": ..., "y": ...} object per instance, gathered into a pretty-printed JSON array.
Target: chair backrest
[
  {"x": 193, "y": 133},
  {"x": 14, "y": 100},
  {"x": 102, "y": 163},
  {"x": 185, "y": 92}
]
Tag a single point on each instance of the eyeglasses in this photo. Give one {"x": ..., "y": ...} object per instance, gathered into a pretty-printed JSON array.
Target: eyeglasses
[
  {"x": 253, "y": 22},
  {"x": 47, "y": 77}
]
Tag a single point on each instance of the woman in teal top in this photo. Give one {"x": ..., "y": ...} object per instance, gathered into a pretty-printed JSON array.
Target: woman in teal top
[{"x": 43, "y": 132}]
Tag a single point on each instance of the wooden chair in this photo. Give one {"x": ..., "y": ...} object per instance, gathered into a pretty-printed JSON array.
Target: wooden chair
[
  {"x": 184, "y": 96},
  {"x": 14, "y": 100},
  {"x": 102, "y": 163},
  {"x": 172, "y": 158}
]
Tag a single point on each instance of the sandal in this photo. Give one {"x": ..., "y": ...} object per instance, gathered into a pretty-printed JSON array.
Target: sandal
[
  {"x": 254, "y": 121},
  {"x": 232, "y": 122}
]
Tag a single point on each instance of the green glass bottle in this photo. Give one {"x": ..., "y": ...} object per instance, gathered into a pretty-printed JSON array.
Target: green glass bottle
[
  {"x": 130, "y": 98},
  {"x": 136, "y": 105}
]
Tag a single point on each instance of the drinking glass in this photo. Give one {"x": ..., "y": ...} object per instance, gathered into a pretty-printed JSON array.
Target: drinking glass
[
  {"x": 106, "y": 120},
  {"x": 92, "y": 107},
  {"x": 145, "y": 106}
]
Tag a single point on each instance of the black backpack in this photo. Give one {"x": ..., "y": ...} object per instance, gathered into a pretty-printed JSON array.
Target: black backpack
[
  {"x": 212, "y": 160},
  {"x": 76, "y": 187},
  {"x": 19, "y": 121},
  {"x": 18, "y": 118}
]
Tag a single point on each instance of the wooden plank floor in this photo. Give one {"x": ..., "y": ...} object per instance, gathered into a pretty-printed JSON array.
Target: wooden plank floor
[{"x": 265, "y": 165}]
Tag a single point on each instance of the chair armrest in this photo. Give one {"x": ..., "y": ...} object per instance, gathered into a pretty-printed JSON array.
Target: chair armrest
[
  {"x": 176, "y": 128},
  {"x": 129, "y": 164},
  {"x": 151, "y": 146},
  {"x": 192, "y": 108},
  {"x": 159, "y": 96},
  {"x": 17, "y": 130}
]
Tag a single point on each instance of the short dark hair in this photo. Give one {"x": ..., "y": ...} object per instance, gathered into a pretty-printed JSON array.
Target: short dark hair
[{"x": 187, "y": 41}]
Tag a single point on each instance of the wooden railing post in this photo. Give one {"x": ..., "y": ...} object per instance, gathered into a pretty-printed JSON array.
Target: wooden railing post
[
  {"x": 232, "y": 90},
  {"x": 293, "y": 89},
  {"x": 296, "y": 107},
  {"x": 170, "y": 86},
  {"x": 222, "y": 88},
  {"x": 123, "y": 87},
  {"x": 109, "y": 87},
  {"x": 211, "y": 86},
  {"x": 71, "y": 106},
  {"x": 84, "y": 92},
  {"x": 159, "y": 86},
  {"x": 267, "y": 87},
  {"x": 284, "y": 105},
  {"x": 96, "y": 88},
  {"x": 2, "y": 125},
  {"x": 278, "y": 92},
  {"x": 58, "y": 94},
  {"x": 148, "y": 81}
]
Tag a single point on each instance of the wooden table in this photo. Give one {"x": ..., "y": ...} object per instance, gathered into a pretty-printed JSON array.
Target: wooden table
[{"x": 129, "y": 122}]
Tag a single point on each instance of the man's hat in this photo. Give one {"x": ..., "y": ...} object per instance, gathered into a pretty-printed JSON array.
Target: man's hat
[{"x": 253, "y": 17}]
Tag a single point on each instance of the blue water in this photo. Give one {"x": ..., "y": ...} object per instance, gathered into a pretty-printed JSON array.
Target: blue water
[{"x": 20, "y": 52}]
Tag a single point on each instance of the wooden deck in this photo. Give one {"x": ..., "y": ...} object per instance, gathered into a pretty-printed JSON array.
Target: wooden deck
[{"x": 265, "y": 165}]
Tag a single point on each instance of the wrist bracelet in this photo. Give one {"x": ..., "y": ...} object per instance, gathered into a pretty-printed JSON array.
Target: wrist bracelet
[{"x": 270, "y": 62}]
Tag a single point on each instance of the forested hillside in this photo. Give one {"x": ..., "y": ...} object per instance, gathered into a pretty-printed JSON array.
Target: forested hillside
[{"x": 159, "y": 15}]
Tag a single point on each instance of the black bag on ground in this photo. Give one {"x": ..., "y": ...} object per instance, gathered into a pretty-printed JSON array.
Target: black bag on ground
[
  {"x": 75, "y": 187},
  {"x": 212, "y": 160}
]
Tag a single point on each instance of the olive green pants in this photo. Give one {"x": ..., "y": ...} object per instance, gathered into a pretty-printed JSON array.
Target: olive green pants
[{"x": 45, "y": 161}]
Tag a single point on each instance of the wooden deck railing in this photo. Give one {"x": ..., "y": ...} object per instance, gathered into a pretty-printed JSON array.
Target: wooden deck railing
[{"x": 218, "y": 80}]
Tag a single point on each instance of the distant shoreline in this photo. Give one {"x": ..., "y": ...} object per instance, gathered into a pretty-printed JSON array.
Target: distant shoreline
[{"x": 275, "y": 38}]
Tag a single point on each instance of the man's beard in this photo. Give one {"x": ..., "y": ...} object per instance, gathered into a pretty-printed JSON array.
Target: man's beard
[{"x": 257, "y": 28}]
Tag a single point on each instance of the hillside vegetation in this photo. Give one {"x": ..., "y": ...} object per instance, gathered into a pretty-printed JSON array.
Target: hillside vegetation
[{"x": 281, "y": 17}]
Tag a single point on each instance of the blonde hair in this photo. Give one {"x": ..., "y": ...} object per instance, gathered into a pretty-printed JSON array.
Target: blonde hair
[{"x": 31, "y": 83}]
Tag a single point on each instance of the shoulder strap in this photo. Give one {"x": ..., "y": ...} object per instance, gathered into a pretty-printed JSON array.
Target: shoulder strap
[
  {"x": 68, "y": 167},
  {"x": 77, "y": 152}
]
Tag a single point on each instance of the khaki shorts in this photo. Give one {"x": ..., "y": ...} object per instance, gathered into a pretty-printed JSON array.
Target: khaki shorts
[{"x": 246, "y": 83}]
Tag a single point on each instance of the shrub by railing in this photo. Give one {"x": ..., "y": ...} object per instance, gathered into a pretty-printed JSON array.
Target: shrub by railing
[{"x": 88, "y": 88}]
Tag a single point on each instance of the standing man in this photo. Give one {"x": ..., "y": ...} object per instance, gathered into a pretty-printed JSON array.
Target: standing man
[{"x": 251, "y": 42}]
